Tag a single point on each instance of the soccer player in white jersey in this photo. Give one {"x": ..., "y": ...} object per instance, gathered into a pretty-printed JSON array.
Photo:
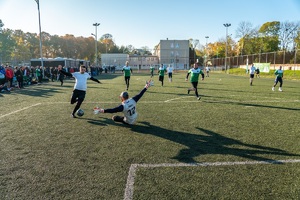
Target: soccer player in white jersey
[
  {"x": 128, "y": 107},
  {"x": 252, "y": 72},
  {"x": 170, "y": 72},
  {"x": 80, "y": 86}
]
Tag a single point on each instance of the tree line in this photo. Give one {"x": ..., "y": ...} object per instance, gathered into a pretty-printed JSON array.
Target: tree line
[{"x": 270, "y": 37}]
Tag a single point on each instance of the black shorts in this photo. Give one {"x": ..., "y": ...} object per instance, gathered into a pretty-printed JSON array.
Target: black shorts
[
  {"x": 195, "y": 84},
  {"x": 161, "y": 78},
  {"x": 251, "y": 75},
  {"x": 278, "y": 79},
  {"x": 80, "y": 94}
]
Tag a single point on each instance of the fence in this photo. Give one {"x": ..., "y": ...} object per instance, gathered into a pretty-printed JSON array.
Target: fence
[{"x": 287, "y": 58}]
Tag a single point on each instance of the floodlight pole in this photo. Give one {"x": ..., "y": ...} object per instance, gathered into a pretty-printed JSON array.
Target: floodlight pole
[
  {"x": 206, "y": 51},
  {"x": 96, "y": 49},
  {"x": 40, "y": 29},
  {"x": 226, "y": 25}
]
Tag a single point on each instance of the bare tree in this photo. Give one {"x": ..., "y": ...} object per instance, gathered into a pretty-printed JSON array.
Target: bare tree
[
  {"x": 288, "y": 33},
  {"x": 244, "y": 29}
]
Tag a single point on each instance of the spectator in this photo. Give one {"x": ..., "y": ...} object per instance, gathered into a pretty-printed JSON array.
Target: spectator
[
  {"x": 19, "y": 75},
  {"x": 9, "y": 73}
]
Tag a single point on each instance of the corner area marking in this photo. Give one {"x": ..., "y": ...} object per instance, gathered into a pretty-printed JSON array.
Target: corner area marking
[
  {"x": 128, "y": 194},
  {"x": 20, "y": 110}
]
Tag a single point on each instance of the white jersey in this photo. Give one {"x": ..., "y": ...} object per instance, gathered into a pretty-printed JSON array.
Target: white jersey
[
  {"x": 252, "y": 70},
  {"x": 81, "y": 83},
  {"x": 170, "y": 69},
  {"x": 129, "y": 111}
]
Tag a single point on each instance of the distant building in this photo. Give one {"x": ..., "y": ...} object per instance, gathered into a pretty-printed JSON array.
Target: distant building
[
  {"x": 141, "y": 62},
  {"x": 173, "y": 52},
  {"x": 114, "y": 59},
  {"x": 137, "y": 62},
  {"x": 167, "y": 52},
  {"x": 54, "y": 62}
]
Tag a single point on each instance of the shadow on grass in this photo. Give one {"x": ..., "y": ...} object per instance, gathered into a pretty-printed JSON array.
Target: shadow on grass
[
  {"x": 36, "y": 90},
  {"x": 208, "y": 142},
  {"x": 252, "y": 105}
]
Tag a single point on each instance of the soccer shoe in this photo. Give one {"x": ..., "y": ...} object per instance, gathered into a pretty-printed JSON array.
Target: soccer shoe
[
  {"x": 273, "y": 89},
  {"x": 280, "y": 89},
  {"x": 188, "y": 91},
  {"x": 199, "y": 98},
  {"x": 73, "y": 116}
]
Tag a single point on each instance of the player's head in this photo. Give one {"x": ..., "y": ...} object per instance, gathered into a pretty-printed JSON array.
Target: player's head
[
  {"x": 124, "y": 96},
  {"x": 195, "y": 65},
  {"x": 127, "y": 63},
  {"x": 82, "y": 69}
]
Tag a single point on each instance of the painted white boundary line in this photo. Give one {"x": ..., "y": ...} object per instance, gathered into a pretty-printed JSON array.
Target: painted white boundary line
[
  {"x": 177, "y": 98},
  {"x": 128, "y": 194},
  {"x": 172, "y": 101},
  {"x": 20, "y": 110}
]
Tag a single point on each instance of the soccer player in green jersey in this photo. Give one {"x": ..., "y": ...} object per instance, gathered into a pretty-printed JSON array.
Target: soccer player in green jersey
[
  {"x": 161, "y": 71},
  {"x": 195, "y": 72},
  {"x": 127, "y": 72},
  {"x": 279, "y": 76},
  {"x": 152, "y": 71}
]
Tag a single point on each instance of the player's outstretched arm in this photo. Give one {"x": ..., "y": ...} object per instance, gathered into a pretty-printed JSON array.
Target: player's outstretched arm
[
  {"x": 137, "y": 97},
  {"x": 65, "y": 73},
  {"x": 94, "y": 79}
]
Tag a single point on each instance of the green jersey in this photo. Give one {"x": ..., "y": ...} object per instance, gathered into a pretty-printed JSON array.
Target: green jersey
[
  {"x": 152, "y": 69},
  {"x": 126, "y": 70},
  {"x": 279, "y": 73},
  {"x": 161, "y": 71},
  {"x": 195, "y": 74}
]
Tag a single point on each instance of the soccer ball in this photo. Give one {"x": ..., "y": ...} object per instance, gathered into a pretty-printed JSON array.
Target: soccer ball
[{"x": 80, "y": 112}]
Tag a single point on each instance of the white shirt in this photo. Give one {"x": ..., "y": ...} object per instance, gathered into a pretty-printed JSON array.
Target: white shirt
[
  {"x": 81, "y": 80},
  {"x": 252, "y": 70},
  {"x": 129, "y": 111},
  {"x": 170, "y": 69}
]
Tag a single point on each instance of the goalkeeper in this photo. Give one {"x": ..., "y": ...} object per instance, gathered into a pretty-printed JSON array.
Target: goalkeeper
[{"x": 128, "y": 107}]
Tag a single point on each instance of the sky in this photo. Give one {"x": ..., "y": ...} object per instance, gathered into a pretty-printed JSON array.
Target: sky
[{"x": 144, "y": 23}]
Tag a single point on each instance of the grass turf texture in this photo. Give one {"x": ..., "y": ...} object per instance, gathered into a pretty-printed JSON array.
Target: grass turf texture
[{"x": 45, "y": 154}]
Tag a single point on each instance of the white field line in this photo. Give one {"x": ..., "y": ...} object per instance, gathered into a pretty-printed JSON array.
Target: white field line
[
  {"x": 177, "y": 98},
  {"x": 173, "y": 101},
  {"x": 20, "y": 110},
  {"x": 128, "y": 194}
]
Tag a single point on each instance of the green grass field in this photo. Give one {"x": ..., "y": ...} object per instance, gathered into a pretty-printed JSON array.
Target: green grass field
[{"x": 237, "y": 142}]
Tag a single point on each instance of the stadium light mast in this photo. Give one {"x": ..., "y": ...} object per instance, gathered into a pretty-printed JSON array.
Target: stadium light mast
[
  {"x": 226, "y": 25},
  {"x": 40, "y": 29},
  {"x": 206, "y": 37},
  {"x": 96, "y": 49}
]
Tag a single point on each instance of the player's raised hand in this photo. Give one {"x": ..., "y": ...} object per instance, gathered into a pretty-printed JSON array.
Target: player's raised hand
[{"x": 149, "y": 83}]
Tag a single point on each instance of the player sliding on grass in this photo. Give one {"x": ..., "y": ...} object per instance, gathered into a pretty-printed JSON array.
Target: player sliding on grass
[
  {"x": 80, "y": 86},
  {"x": 194, "y": 79},
  {"x": 128, "y": 106}
]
